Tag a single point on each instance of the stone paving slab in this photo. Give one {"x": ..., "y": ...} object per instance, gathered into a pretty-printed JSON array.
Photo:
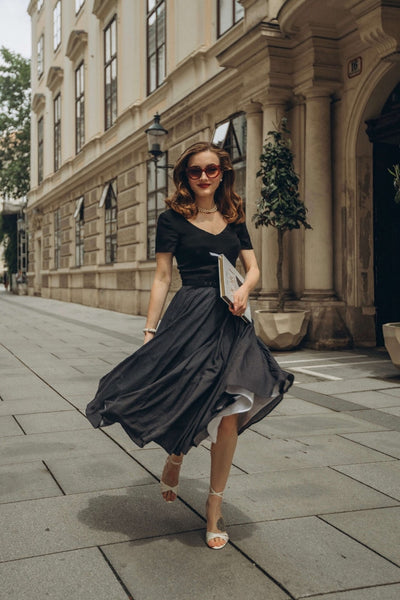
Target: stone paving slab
[
  {"x": 83, "y": 520},
  {"x": 53, "y": 421},
  {"x": 384, "y": 592},
  {"x": 310, "y": 557},
  {"x": 286, "y": 494},
  {"x": 331, "y": 450},
  {"x": 384, "y": 477},
  {"x": 394, "y": 410},
  {"x": 393, "y": 392},
  {"x": 350, "y": 385},
  {"x": 26, "y": 481},
  {"x": 9, "y": 427},
  {"x": 222, "y": 575},
  {"x": 44, "y": 446},
  {"x": 295, "y": 406},
  {"x": 77, "y": 575},
  {"x": 383, "y": 441},
  {"x": 372, "y": 399},
  {"x": 302, "y": 425},
  {"x": 379, "y": 529},
  {"x": 378, "y": 417},
  {"x": 98, "y": 472},
  {"x": 38, "y": 405},
  {"x": 196, "y": 464}
]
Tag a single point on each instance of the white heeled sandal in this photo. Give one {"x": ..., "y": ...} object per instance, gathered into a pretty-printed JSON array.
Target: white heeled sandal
[
  {"x": 210, "y": 535},
  {"x": 168, "y": 488}
]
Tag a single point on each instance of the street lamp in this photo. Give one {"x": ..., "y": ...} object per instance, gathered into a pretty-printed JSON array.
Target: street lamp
[{"x": 156, "y": 135}]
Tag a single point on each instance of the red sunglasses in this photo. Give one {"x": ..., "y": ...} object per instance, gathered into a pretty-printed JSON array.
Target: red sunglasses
[{"x": 211, "y": 171}]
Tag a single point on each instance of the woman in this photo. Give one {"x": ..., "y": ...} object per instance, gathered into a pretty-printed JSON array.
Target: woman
[{"x": 202, "y": 372}]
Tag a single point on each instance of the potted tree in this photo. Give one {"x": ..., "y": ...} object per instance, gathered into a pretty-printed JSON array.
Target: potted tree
[
  {"x": 280, "y": 206},
  {"x": 391, "y": 331}
]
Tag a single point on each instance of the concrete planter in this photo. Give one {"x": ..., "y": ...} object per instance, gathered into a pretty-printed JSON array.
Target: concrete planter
[
  {"x": 281, "y": 331},
  {"x": 391, "y": 334}
]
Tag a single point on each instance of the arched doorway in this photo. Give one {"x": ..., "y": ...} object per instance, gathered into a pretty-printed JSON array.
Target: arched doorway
[{"x": 384, "y": 132}]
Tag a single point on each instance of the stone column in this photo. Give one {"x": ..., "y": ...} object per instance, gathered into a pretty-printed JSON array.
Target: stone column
[
  {"x": 254, "y": 117},
  {"x": 318, "y": 251},
  {"x": 273, "y": 112}
]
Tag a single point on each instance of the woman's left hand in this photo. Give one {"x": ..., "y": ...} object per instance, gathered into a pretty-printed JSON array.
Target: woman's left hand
[{"x": 240, "y": 299}]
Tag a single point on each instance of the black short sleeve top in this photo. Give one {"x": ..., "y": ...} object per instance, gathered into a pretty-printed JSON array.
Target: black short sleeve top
[{"x": 192, "y": 246}]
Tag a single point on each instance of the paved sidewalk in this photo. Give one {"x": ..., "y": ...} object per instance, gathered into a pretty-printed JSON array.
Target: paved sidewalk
[{"x": 312, "y": 505}]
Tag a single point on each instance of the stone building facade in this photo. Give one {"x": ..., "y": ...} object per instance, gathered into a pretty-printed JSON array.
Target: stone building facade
[{"x": 225, "y": 70}]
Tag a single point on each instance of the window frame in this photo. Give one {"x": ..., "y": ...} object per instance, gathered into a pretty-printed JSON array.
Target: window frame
[
  {"x": 40, "y": 56},
  {"x": 110, "y": 64},
  {"x": 79, "y": 107},
  {"x": 111, "y": 219},
  {"x": 160, "y": 174},
  {"x": 78, "y": 5},
  {"x": 79, "y": 216},
  {"x": 57, "y": 26},
  {"x": 152, "y": 11},
  {"x": 57, "y": 131},
  {"x": 57, "y": 238},
  {"x": 40, "y": 148},
  {"x": 228, "y": 132},
  {"x": 235, "y": 18}
]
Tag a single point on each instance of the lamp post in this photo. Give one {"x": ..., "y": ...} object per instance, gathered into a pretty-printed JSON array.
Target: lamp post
[{"x": 156, "y": 135}]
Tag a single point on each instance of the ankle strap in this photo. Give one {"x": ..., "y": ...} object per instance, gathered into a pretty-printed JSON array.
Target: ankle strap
[
  {"x": 174, "y": 462},
  {"x": 214, "y": 493}
]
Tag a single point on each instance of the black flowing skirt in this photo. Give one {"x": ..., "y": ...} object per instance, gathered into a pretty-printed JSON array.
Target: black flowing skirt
[{"x": 202, "y": 364}]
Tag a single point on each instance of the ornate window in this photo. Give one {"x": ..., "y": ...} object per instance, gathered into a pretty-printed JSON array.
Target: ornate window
[
  {"x": 57, "y": 238},
  {"x": 57, "y": 25},
  {"x": 40, "y": 150},
  {"x": 229, "y": 13},
  {"x": 79, "y": 231},
  {"x": 78, "y": 5},
  {"x": 79, "y": 107},
  {"x": 110, "y": 204},
  {"x": 156, "y": 44},
  {"x": 110, "y": 72},
  {"x": 57, "y": 132},
  {"x": 40, "y": 56},
  {"x": 231, "y": 135},
  {"x": 156, "y": 194}
]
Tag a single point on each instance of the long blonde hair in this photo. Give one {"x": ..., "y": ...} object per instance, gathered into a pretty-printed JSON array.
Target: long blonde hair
[{"x": 228, "y": 201}]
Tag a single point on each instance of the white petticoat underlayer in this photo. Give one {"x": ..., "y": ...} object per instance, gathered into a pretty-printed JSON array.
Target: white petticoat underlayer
[{"x": 246, "y": 404}]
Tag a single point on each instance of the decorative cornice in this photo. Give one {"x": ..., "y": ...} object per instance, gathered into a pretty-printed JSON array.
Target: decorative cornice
[
  {"x": 378, "y": 23},
  {"x": 38, "y": 103},
  {"x": 76, "y": 45},
  {"x": 55, "y": 77},
  {"x": 101, "y": 8}
]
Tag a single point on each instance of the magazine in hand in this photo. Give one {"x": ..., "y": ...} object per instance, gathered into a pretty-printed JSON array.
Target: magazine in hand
[{"x": 229, "y": 281}]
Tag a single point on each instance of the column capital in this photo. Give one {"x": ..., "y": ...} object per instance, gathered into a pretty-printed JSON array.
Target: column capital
[{"x": 252, "y": 107}]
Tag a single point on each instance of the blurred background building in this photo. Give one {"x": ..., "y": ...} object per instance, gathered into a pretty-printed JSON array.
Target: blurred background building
[{"x": 222, "y": 70}]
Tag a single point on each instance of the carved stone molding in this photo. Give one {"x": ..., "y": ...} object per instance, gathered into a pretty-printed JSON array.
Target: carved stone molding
[
  {"x": 101, "y": 8},
  {"x": 76, "y": 45},
  {"x": 38, "y": 103},
  {"x": 55, "y": 77},
  {"x": 378, "y": 23}
]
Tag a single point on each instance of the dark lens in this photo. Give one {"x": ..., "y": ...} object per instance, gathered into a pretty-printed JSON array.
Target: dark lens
[
  {"x": 194, "y": 172},
  {"x": 212, "y": 170}
]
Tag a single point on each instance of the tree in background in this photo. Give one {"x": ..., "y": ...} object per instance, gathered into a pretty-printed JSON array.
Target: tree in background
[{"x": 15, "y": 102}]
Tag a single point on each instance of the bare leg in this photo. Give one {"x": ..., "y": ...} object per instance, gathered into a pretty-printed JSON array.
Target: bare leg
[
  {"x": 221, "y": 461},
  {"x": 170, "y": 474}
]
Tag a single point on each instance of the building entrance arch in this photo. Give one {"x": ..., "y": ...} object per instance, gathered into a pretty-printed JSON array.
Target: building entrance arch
[{"x": 384, "y": 133}]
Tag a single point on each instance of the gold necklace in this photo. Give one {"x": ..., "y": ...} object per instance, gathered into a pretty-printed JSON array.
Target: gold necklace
[{"x": 207, "y": 211}]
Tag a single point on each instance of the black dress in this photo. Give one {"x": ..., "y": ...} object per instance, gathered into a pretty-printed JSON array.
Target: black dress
[{"x": 202, "y": 364}]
